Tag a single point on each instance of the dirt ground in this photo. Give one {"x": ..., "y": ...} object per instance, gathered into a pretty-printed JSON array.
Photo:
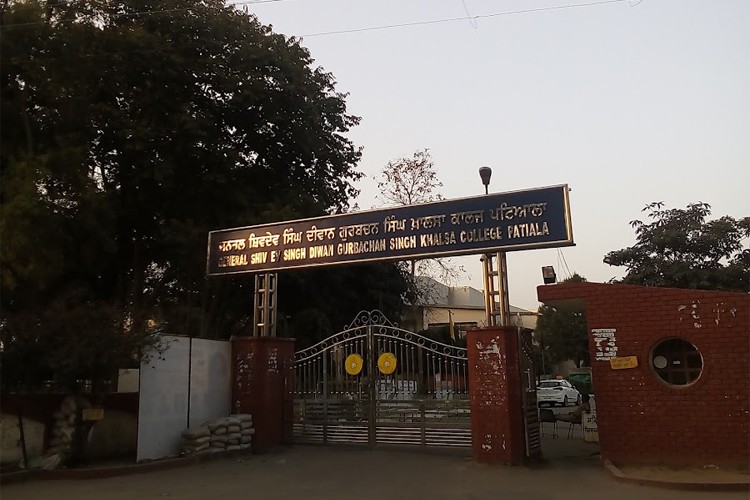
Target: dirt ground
[{"x": 573, "y": 471}]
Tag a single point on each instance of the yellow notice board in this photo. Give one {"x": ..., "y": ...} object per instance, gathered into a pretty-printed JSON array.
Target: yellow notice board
[
  {"x": 623, "y": 362},
  {"x": 90, "y": 414}
]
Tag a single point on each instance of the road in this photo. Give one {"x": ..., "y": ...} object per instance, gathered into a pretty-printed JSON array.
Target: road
[{"x": 325, "y": 473}]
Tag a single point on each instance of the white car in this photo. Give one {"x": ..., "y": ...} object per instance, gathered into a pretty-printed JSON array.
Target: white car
[{"x": 554, "y": 392}]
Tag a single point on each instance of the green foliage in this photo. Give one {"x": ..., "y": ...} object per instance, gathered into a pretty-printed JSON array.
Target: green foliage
[
  {"x": 582, "y": 382},
  {"x": 73, "y": 340},
  {"x": 561, "y": 332},
  {"x": 681, "y": 249},
  {"x": 124, "y": 138},
  {"x": 320, "y": 302}
]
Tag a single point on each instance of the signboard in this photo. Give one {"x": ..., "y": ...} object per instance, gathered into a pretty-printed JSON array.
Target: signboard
[
  {"x": 605, "y": 341},
  {"x": 536, "y": 218},
  {"x": 623, "y": 362},
  {"x": 92, "y": 414},
  {"x": 590, "y": 427}
]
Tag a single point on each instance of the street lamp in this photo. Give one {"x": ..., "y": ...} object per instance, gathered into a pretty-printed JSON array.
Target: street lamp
[
  {"x": 548, "y": 274},
  {"x": 485, "y": 173}
]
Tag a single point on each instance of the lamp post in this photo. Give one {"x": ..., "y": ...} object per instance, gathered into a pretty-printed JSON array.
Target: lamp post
[{"x": 485, "y": 173}]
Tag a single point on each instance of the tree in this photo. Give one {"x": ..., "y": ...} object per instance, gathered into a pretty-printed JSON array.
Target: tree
[
  {"x": 681, "y": 249},
  {"x": 36, "y": 346},
  {"x": 561, "y": 332},
  {"x": 315, "y": 303},
  {"x": 412, "y": 181},
  {"x": 409, "y": 181},
  {"x": 131, "y": 128}
]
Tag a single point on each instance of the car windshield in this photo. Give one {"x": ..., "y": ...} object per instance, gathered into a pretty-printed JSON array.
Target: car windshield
[{"x": 547, "y": 385}]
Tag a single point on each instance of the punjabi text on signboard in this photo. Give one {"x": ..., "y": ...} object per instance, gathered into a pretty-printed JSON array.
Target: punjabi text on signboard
[{"x": 536, "y": 218}]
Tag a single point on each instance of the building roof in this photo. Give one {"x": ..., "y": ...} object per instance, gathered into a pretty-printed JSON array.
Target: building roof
[{"x": 437, "y": 294}]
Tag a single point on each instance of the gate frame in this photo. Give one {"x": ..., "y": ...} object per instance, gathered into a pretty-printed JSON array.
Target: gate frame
[
  {"x": 263, "y": 384},
  {"x": 372, "y": 332}
]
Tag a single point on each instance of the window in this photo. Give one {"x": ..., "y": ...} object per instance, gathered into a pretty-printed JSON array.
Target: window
[
  {"x": 550, "y": 384},
  {"x": 461, "y": 328},
  {"x": 676, "y": 361}
]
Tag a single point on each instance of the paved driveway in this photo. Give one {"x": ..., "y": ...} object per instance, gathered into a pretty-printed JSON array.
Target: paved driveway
[{"x": 317, "y": 473}]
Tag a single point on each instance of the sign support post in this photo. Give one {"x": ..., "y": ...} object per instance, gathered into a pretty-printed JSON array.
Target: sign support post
[
  {"x": 502, "y": 289},
  {"x": 264, "y": 305},
  {"x": 496, "y": 303}
]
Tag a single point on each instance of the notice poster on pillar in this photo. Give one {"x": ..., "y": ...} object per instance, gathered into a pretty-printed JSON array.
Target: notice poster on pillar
[
  {"x": 535, "y": 218},
  {"x": 605, "y": 342}
]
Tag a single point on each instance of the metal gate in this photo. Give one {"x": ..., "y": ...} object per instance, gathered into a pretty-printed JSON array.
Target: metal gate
[
  {"x": 377, "y": 384},
  {"x": 528, "y": 391}
]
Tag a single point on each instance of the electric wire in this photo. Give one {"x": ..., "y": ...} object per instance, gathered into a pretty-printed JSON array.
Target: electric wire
[
  {"x": 561, "y": 262},
  {"x": 366, "y": 28},
  {"x": 464, "y": 18},
  {"x": 473, "y": 23}
]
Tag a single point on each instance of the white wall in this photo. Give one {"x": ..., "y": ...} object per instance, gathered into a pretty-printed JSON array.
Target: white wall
[
  {"x": 10, "y": 438},
  {"x": 163, "y": 401},
  {"x": 174, "y": 395},
  {"x": 128, "y": 380},
  {"x": 210, "y": 379}
]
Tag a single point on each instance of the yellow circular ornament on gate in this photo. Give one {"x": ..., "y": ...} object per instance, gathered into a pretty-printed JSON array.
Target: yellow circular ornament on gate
[
  {"x": 353, "y": 364},
  {"x": 387, "y": 363}
]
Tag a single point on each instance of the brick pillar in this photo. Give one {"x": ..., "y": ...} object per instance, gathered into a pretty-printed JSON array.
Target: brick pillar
[
  {"x": 497, "y": 430},
  {"x": 262, "y": 377}
]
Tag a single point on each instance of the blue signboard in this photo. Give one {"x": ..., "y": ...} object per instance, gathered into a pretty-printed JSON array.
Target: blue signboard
[{"x": 535, "y": 218}]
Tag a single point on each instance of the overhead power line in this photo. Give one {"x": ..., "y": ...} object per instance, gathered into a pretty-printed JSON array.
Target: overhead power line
[
  {"x": 562, "y": 263},
  {"x": 465, "y": 18},
  {"x": 470, "y": 18}
]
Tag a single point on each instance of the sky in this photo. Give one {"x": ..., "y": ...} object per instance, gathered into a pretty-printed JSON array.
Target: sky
[{"x": 627, "y": 102}]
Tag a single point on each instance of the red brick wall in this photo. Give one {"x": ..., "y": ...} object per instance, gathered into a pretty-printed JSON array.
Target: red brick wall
[
  {"x": 497, "y": 433},
  {"x": 641, "y": 419},
  {"x": 261, "y": 370}
]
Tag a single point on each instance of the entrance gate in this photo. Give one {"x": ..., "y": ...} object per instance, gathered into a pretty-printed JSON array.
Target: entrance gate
[
  {"x": 376, "y": 384},
  {"x": 533, "y": 444}
]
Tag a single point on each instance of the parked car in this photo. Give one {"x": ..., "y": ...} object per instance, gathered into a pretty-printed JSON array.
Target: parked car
[{"x": 554, "y": 392}]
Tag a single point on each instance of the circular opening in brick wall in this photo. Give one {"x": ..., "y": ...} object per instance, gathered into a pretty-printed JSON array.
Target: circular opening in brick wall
[{"x": 676, "y": 361}]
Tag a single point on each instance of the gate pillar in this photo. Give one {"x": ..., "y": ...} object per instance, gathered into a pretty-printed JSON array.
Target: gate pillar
[
  {"x": 262, "y": 384},
  {"x": 497, "y": 428}
]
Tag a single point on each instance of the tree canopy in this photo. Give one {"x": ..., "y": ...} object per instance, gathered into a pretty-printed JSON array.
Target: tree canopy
[
  {"x": 561, "y": 332},
  {"x": 681, "y": 248},
  {"x": 131, "y": 128}
]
